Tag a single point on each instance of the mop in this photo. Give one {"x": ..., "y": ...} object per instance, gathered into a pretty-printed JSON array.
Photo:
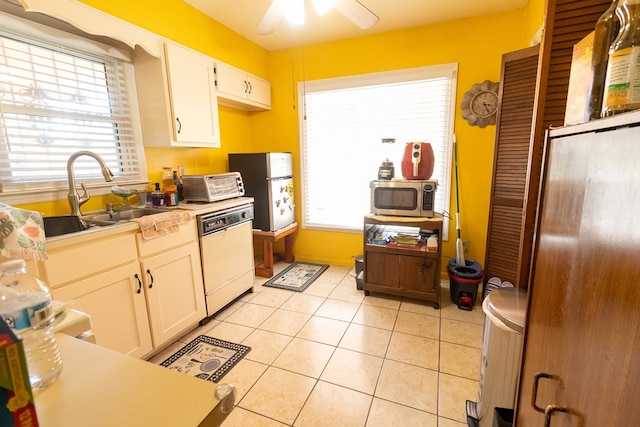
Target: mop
[{"x": 460, "y": 262}]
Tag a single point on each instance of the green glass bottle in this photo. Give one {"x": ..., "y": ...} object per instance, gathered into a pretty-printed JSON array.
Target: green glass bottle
[
  {"x": 622, "y": 84},
  {"x": 606, "y": 30}
]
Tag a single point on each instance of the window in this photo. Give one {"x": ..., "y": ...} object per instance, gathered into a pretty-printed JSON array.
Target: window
[
  {"x": 58, "y": 97},
  {"x": 343, "y": 122}
]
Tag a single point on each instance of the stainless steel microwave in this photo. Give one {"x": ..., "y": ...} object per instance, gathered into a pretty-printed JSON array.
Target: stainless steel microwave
[{"x": 403, "y": 197}]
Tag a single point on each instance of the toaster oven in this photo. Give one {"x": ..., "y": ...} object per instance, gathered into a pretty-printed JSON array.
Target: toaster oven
[{"x": 212, "y": 188}]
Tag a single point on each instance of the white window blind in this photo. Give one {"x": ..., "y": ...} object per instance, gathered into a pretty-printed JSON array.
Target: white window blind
[
  {"x": 56, "y": 100},
  {"x": 343, "y": 122}
]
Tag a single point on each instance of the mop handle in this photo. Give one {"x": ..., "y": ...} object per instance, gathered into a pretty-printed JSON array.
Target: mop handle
[{"x": 455, "y": 162}]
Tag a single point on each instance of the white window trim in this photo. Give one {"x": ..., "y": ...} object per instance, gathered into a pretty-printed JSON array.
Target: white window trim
[
  {"x": 396, "y": 76},
  {"x": 58, "y": 190}
]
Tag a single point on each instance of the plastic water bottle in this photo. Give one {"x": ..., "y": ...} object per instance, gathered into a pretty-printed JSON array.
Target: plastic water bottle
[{"x": 25, "y": 305}]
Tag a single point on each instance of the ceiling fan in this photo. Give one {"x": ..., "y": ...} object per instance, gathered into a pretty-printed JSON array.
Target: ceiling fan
[{"x": 293, "y": 11}]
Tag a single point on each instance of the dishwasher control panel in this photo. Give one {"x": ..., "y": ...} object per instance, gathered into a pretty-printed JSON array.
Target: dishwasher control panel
[{"x": 218, "y": 221}]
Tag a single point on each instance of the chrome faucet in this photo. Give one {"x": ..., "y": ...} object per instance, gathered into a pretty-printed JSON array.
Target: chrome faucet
[{"x": 76, "y": 200}]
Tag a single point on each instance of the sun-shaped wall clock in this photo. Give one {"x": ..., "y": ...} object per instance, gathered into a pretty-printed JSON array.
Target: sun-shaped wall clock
[{"x": 480, "y": 104}]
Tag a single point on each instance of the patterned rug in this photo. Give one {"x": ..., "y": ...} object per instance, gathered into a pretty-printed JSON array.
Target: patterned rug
[
  {"x": 207, "y": 358},
  {"x": 297, "y": 277}
]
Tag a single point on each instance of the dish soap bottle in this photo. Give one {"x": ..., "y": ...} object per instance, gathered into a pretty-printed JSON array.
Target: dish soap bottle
[
  {"x": 622, "y": 84},
  {"x": 25, "y": 305},
  {"x": 157, "y": 197}
]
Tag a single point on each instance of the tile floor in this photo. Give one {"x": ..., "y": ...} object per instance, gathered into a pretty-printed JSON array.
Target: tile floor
[{"x": 330, "y": 356}]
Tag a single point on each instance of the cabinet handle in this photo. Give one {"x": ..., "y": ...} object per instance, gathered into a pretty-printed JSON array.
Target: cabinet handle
[
  {"x": 549, "y": 411},
  {"x": 139, "y": 283},
  {"x": 246, "y": 86},
  {"x": 150, "y": 277},
  {"x": 250, "y": 87},
  {"x": 179, "y": 124},
  {"x": 536, "y": 379}
]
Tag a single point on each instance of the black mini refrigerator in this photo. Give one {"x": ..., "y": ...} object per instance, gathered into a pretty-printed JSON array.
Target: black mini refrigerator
[{"x": 268, "y": 178}]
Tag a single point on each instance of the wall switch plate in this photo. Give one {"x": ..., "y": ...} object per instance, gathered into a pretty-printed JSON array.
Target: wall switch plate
[{"x": 465, "y": 246}]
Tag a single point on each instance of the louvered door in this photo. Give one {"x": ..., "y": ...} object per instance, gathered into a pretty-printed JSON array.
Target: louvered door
[{"x": 510, "y": 164}]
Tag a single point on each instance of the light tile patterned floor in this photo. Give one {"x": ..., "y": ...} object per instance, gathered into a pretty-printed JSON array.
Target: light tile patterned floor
[{"x": 332, "y": 357}]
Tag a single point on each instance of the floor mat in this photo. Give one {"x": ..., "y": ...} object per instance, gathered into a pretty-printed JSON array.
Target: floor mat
[
  {"x": 207, "y": 358},
  {"x": 297, "y": 277}
]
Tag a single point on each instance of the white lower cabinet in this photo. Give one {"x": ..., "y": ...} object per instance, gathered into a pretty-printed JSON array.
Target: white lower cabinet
[
  {"x": 115, "y": 300},
  {"x": 173, "y": 288},
  {"x": 139, "y": 303}
]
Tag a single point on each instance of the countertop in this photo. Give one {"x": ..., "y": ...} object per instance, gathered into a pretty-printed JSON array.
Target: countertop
[
  {"x": 194, "y": 209},
  {"x": 100, "y": 387}
]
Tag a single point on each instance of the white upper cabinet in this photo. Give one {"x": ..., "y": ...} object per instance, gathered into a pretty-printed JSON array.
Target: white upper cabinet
[
  {"x": 239, "y": 89},
  {"x": 177, "y": 98}
]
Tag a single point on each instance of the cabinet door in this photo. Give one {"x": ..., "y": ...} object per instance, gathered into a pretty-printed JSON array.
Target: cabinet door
[
  {"x": 259, "y": 91},
  {"x": 239, "y": 89},
  {"x": 231, "y": 80},
  {"x": 116, "y": 303},
  {"x": 382, "y": 269},
  {"x": 192, "y": 93},
  {"x": 175, "y": 296},
  {"x": 583, "y": 320},
  {"x": 417, "y": 273}
]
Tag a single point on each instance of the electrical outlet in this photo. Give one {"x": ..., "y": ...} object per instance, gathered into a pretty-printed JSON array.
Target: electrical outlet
[{"x": 465, "y": 246}]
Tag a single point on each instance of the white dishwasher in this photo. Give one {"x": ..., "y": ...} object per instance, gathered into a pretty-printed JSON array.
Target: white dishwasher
[{"x": 226, "y": 250}]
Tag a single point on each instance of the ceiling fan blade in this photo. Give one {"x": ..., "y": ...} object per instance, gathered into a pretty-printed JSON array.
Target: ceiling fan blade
[
  {"x": 356, "y": 12},
  {"x": 272, "y": 18}
]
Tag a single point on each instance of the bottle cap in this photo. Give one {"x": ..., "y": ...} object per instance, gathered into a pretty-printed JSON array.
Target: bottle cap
[{"x": 12, "y": 265}]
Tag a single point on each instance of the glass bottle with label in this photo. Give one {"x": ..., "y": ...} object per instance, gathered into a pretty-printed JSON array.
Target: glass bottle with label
[
  {"x": 622, "y": 85},
  {"x": 606, "y": 30}
]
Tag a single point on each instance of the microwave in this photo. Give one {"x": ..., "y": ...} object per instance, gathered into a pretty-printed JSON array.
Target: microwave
[{"x": 403, "y": 197}]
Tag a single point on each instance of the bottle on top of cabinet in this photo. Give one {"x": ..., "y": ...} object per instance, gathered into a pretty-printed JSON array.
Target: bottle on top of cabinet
[
  {"x": 606, "y": 30},
  {"x": 622, "y": 84}
]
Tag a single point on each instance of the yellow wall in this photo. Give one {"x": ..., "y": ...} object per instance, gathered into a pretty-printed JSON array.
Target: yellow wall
[{"x": 472, "y": 43}]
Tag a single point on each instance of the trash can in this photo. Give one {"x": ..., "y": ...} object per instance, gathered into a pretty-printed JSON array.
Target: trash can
[
  {"x": 359, "y": 271},
  {"x": 503, "y": 417},
  {"x": 463, "y": 282},
  {"x": 505, "y": 311}
]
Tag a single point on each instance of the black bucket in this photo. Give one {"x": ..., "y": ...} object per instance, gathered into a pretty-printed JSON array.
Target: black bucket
[{"x": 463, "y": 282}]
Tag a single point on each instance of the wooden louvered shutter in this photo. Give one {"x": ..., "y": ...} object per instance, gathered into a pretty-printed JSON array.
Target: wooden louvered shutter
[
  {"x": 510, "y": 163},
  {"x": 567, "y": 22}
]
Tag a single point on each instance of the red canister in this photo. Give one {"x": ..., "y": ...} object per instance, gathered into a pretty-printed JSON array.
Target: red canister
[{"x": 418, "y": 160}]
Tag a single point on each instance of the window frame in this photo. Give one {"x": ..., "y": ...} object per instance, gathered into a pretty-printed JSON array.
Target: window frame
[
  {"x": 449, "y": 70},
  {"x": 55, "y": 190}
]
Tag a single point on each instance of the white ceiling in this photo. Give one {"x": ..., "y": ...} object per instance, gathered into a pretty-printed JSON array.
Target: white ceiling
[{"x": 244, "y": 16}]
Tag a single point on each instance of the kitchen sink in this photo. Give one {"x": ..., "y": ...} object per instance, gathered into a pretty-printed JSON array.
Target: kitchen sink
[
  {"x": 66, "y": 224},
  {"x": 123, "y": 215}
]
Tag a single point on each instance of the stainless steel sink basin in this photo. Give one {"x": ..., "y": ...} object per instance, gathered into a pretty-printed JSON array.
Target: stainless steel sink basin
[
  {"x": 124, "y": 215},
  {"x": 66, "y": 224}
]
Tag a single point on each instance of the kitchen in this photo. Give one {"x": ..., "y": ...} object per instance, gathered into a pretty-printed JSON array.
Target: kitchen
[{"x": 476, "y": 46}]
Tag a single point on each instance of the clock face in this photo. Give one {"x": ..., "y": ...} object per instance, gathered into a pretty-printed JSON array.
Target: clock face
[
  {"x": 480, "y": 104},
  {"x": 484, "y": 104}
]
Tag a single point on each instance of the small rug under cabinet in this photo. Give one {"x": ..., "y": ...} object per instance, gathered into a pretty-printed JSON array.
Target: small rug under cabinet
[
  {"x": 297, "y": 277},
  {"x": 207, "y": 358}
]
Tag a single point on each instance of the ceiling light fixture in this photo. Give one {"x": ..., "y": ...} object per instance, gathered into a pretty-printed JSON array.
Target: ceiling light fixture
[
  {"x": 293, "y": 11},
  {"x": 322, "y": 6}
]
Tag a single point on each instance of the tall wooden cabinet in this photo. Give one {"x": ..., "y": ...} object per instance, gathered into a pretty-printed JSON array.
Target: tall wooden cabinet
[
  {"x": 582, "y": 337},
  {"x": 508, "y": 237}
]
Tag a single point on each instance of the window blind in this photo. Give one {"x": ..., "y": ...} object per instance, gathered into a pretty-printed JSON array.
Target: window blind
[
  {"x": 343, "y": 124},
  {"x": 55, "y": 101}
]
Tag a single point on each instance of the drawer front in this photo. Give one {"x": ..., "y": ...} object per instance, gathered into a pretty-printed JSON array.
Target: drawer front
[
  {"x": 187, "y": 233},
  {"x": 74, "y": 262}
]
